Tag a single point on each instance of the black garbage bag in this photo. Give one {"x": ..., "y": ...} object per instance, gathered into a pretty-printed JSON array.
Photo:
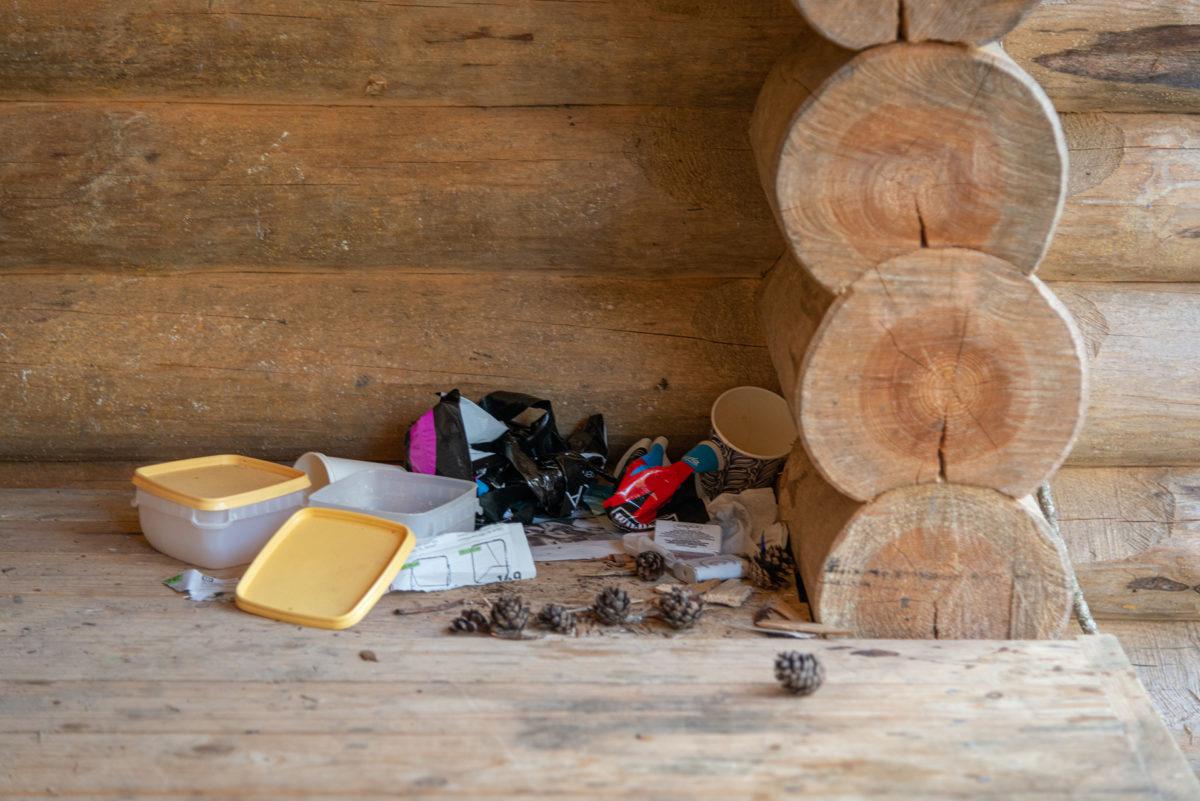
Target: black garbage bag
[{"x": 510, "y": 445}]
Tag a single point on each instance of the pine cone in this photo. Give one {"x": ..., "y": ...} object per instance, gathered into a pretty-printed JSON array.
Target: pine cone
[
  {"x": 510, "y": 613},
  {"x": 771, "y": 569},
  {"x": 469, "y": 622},
  {"x": 679, "y": 609},
  {"x": 651, "y": 565},
  {"x": 799, "y": 673},
  {"x": 611, "y": 606},
  {"x": 557, "y": 618}
]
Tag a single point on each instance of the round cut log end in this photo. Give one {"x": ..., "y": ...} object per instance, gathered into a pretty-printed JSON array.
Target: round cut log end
[
  {"x": 859, "y": 24},
  {"x": 945, "y": 562},
  {"x": 942, "y": 365},
  {"x": 909, "y": 146}
]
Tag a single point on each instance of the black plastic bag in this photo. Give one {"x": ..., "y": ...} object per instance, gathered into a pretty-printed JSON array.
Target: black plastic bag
[{"x": 528, "y": 471}]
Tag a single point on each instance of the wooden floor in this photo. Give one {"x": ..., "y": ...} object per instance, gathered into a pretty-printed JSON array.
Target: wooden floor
[{"x": 112, "y": 685}]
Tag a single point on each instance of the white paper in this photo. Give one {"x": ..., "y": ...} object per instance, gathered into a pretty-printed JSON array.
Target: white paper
[
  {"x": 582, "y": 538},
  {"x": 688, "y": 539},
  {"x": 494, "y": 553},
  {"x": 200, "y": 587}
]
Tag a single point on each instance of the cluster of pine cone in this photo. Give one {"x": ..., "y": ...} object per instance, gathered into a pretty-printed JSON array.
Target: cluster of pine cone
[
  {"x": 771, "y": 569},
  {"x": 508, "y": 617}
]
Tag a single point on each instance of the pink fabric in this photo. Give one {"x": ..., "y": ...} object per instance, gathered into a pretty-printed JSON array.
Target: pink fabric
[{"x": 422, "y": 445}]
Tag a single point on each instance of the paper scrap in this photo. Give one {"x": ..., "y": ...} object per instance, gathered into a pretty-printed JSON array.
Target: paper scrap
[
  {"x": 200, "y": 587},
  {"x": 581, "y": 538},
  {"x": 688, "y": 539},
  {"x": 499, "y": 552}
]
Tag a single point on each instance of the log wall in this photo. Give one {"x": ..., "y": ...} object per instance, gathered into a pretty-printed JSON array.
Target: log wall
[{"x": 269, "y": 226}]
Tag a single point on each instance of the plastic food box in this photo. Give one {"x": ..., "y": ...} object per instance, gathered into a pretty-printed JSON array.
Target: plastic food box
[
  {"x": 325, "y": 567},
  {"x": 216, "y": 511},
  {"x": 428, "y": 505}
]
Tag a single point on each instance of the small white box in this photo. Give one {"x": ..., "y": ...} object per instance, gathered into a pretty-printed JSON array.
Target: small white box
[{"x": 688, "y": 539}]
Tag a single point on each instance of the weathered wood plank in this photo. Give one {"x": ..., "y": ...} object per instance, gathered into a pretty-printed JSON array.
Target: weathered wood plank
[
  {"x": 1166, "y": 656},
  {"x": 164, "y": 185},
  {"x": 506, "y": 53},
  {"x": 1047, "y": 719},
  {"x": 1133, "y": 210},
  {"x": 647, "y": 190},
  {"x": 1113, "y": 55},
  {"x": 144, "y": 368},
  {"x": 1097, "y": 55},
  {"x": 144, "y": 691},
  {"x": 1145, "y": 389},
  {"x": 138, "y": 368},
  {"x": 1134, "y": 536}
]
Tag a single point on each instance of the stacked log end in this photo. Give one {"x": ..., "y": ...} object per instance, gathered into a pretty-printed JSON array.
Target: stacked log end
[
  {"x": 943, "y": 561},
  {"x": 858, "y": 24},
  {"x": 907, "y": 146},
  {"x": 936, "y": 381}
]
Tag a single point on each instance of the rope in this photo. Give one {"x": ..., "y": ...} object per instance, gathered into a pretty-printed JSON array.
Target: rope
[{"x": 1082, "y": 612}]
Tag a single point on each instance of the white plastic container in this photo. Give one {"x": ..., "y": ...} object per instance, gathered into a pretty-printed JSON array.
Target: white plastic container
[
  {"x": 428, "y": 505},
  {"x": 216, "y": 511},
  {"x": 323, "y": 470}
]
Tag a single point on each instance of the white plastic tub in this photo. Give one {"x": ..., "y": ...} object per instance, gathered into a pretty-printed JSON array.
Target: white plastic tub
[
  {"x": 213, "y": 539},
  {"x": 428, "y": 505},
  {"x": 216, "y": 511}
]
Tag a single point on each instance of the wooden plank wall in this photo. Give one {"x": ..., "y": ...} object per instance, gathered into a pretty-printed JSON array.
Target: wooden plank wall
[{"x": 270, "y": 226}]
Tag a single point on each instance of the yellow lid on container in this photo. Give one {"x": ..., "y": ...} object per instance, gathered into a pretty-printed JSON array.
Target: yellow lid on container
[
  {"x": 211, "y": 483},
  {"x": 325, "y": 568}
]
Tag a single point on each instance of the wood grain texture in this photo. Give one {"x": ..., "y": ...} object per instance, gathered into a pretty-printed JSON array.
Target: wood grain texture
[
  {"x": 1134, "y": 536},
  {"x": 274, "y": 187},
  {"x": 154, "y": 367},
  {"x": 508, "y": 53},
  {"x": 97, "y": 676},
  {"x": 614, "y": 727},
  {"x": 1166, "y": 656},
  {"x": 1133, "y": 210},
  {"x": 858, "y": 24},
  {"x": 905, "y": 146},
  {"x": 181, "y": 186},
  {"x": 942, "y": 365},
  {"x": 1139, "y": 341},
  {"x": 1112, "y": 55},
  {"x": 934, "y": 560}
]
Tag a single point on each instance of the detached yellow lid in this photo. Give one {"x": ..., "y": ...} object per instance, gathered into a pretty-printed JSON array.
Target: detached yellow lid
[
  {"x": 325, "y": 568},
  {"x": 211, "y": 483}
]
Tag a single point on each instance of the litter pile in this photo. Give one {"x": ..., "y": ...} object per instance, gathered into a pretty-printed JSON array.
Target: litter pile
[{"x": 490, "y": 488}]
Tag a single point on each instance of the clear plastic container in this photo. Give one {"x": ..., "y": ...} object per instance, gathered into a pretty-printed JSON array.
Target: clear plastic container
[
  {"x": 428, "y": 505},
  {"x": 213, "y": 539},
  {"x": 216, "y": 511}
]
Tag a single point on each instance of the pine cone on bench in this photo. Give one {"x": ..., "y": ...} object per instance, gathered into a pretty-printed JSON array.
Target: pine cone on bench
[
  {"x": 611, "y": 606},
  {"x": 800, "y": 674},
  {"x": 679, "y": 609},
  {"x": 557, "y": 618}
]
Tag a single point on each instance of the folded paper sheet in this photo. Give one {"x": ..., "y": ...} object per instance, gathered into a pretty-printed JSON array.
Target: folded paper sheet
[{"x": 494, "y": 553}]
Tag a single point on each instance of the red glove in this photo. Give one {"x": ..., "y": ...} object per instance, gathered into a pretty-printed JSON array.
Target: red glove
[{"x": 635, "y": 504}]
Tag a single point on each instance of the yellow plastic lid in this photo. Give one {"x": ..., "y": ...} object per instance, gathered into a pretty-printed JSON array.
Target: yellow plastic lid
[
  {"x": 211, "y": 483},
  {"x": 325, "y": 568}
]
